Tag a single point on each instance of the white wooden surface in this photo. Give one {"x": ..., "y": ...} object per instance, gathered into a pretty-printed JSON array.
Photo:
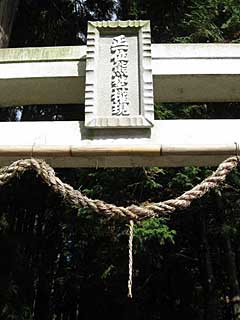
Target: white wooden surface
[
  {"x": 171, "y": 143},
  {"x": 42, "y": 75},
  {"x": 196, "y": 72},
  {"x": 181, "y": 73},
  {"x": 206, "y": 72}
]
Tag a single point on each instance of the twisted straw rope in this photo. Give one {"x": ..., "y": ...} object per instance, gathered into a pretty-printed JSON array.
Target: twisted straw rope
[
  {"x": 133, "y": 212},
  {"x": 130, "y": 258}
]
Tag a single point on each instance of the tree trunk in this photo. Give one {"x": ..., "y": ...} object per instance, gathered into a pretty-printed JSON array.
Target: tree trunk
[
  {"x": 8, "y": 9},
  {"x": 232, "y": 273},
  {"x": 208, "y": 276},
  {"x": 230, "y": 259},
  {"x": 125, "y": 9}
]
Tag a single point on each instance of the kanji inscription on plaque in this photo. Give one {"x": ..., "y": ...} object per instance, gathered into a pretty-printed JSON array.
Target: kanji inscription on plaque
[
  {"x": 119, "y": 59},
  {"x": 119, "y": 91}
]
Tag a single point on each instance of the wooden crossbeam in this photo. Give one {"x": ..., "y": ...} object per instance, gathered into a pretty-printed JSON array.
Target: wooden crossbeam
[
  {"x": 171, "y": 143},
  {"x": 181, "y": 73},
  {"x": 196, "y": 72}
]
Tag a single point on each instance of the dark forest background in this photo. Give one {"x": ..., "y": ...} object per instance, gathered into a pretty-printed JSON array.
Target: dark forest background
[{"x": 60, "y": 263}]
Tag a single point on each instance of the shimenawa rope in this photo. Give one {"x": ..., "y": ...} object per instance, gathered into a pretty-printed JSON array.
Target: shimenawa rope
[
  {"x": 133, "y": 212},
  {"x": 75, "y": 197}
]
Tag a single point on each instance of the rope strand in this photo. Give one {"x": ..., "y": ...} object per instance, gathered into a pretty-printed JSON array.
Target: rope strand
[{"x": 130, "y": 256}]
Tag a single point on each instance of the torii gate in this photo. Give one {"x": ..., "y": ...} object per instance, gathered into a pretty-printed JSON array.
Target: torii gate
[{"x": 119, "y": 75}]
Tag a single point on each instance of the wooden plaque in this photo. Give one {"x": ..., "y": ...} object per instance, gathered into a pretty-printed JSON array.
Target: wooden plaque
[{"x": 119, "y": 87}]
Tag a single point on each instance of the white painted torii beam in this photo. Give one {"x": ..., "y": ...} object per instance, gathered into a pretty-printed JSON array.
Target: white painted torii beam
[{"x": 181, "y": 73}]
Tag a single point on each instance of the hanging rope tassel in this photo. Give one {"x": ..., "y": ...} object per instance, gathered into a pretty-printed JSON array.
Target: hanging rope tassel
[{"x": 130, "y": 256}]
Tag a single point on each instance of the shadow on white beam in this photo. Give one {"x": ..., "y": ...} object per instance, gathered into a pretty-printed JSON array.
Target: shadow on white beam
[
  {"x": 181, "y": 73},
  {"x": 51, "y": 75},
  {"x": 172, "y": 143},
  {"x": 196, "y": 72}
]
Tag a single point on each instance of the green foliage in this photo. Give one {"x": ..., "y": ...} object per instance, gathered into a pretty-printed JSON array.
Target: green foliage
[
  {"x": 120, "y": 185},
  {"x": 168, "y": 111},
  {"x": 165, "y": 16},
  {"x": 154, "y": 229},
  {"x": 56, "y": 23},
  {"x": 186, "y": 178},
  {"x": 212, "y": 21}
]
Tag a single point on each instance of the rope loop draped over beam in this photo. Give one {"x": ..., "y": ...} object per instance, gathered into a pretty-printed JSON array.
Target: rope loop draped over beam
[{"x": 133, "y": 212}]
